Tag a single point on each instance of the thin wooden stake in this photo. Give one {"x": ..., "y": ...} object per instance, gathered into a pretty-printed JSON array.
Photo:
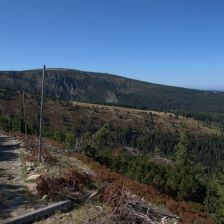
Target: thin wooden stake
[
  {"x": 41, "y": 116},
  {"x": 24, "y": 117}
]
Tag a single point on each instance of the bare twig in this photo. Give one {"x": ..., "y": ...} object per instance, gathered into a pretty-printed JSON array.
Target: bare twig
[{"x": 118, "y": 204}]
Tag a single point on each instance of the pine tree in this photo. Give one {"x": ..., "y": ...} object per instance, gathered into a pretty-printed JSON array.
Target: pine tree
[
  {"x": 215, "y": 197},
  {"x": 70, "y": 140},
  {"x": 58, "y": 135},
  {"x": 184, "y": 180}
]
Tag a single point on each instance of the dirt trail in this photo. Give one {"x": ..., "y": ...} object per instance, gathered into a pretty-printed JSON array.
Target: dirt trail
[{"x": 15, "y": 198}]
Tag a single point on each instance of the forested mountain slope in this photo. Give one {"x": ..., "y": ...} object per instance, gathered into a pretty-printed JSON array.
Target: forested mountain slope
[
  {"x": 179, "y": 156},
  {"x": 106, "y": 88}
]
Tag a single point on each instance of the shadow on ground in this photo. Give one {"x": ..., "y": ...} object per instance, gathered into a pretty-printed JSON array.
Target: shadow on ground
[
  {"x": 7, "y": 147},
  {"x": 14, "y": 197}
]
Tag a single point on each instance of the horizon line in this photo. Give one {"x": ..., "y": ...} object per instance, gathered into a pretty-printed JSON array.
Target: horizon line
[{"x": 202, "y": 88}]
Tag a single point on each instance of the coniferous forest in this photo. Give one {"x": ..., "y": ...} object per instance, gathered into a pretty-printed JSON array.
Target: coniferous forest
[{"x": 185, "y": 160}]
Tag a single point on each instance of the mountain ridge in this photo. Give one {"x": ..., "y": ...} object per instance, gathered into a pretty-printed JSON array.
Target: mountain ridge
[
  {"x": 94, "y": 87},
  {"x": 114, "y": 75}
]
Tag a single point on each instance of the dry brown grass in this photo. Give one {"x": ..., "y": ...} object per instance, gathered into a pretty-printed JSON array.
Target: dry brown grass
[
  {"x": 135, "y": 118},
  {"x": 75, "y": 115},
  {"x": 71, "y": 185}
]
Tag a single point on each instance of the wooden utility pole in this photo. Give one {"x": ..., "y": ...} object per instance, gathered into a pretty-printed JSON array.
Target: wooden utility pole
[
  {"x": 24, "y": 117},
  {"x": 41, "y": 115},
  {"x": 20, "y": 113}
]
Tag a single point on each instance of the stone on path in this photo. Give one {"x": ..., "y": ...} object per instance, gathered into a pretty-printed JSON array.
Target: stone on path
[{"x": 33, "y": 177}]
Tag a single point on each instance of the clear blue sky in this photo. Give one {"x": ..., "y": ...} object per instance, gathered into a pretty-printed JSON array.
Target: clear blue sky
[{"x": 176, "y": 42}]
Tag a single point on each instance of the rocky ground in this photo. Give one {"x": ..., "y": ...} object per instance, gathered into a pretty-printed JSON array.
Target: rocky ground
[{"x": 16, "y": 194}]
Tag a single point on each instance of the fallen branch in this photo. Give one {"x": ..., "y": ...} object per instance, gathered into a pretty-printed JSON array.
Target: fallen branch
[{"x": 152, "y": 211}]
